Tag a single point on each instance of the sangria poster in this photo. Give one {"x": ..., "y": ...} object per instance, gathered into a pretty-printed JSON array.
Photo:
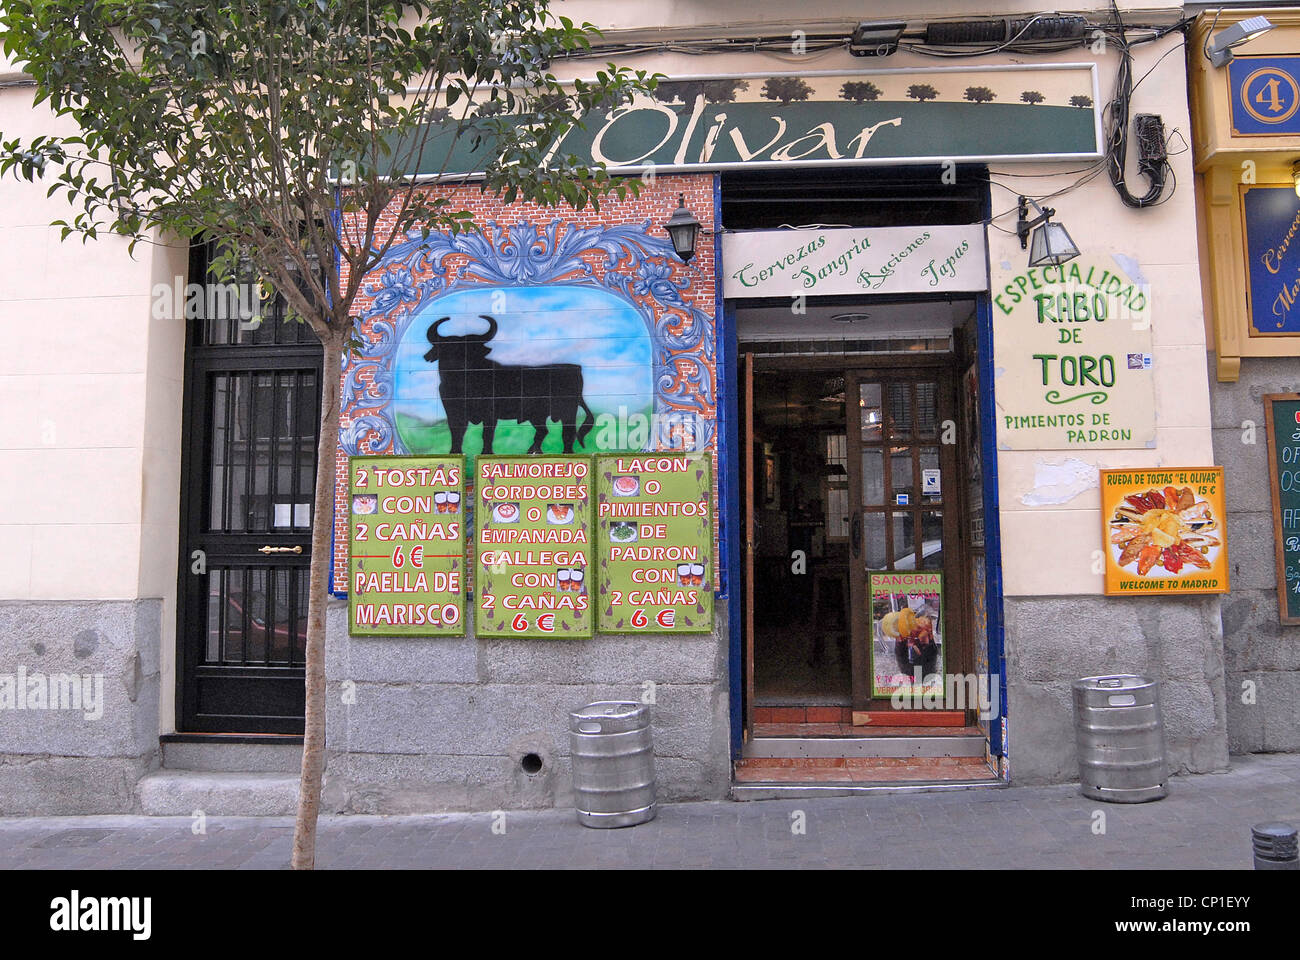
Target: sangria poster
[{"x": 906, "y": 632}]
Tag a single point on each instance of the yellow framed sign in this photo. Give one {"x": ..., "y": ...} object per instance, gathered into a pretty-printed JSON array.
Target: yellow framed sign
[{"x": 1163, "y": 531}]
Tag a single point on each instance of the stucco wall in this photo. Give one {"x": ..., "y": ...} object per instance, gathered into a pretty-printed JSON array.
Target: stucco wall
[
  {"x": 89, "y": 491},
  {"x": 1050, "y": 500}
]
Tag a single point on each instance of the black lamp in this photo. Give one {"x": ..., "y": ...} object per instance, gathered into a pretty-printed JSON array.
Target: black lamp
[
  {"x": 1051, "y": 241},
  {"x": 682, "y": 229}
]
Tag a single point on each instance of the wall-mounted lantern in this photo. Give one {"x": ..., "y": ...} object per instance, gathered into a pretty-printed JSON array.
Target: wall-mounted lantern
[{"x": 683, "y": 228}]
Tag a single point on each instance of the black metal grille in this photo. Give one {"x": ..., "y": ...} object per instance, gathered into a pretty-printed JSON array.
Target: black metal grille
[
  {"x": 251, "y": 425},
  {"x": 257, "y": 616},
  {"x": 263, "y": 451}
]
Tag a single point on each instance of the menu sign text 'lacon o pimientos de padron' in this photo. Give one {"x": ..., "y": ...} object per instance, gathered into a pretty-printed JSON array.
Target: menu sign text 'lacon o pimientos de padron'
[
  {"x": 655, "y": 543},
  {"x": 534, "y": 546},
  {"x": 1074, "y": 358},
  {"x": 406, "y": 551}
]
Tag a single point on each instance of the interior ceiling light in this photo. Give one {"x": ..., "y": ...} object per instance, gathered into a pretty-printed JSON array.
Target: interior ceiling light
[
  {"x": 1219, "y": 48},
  {"x": 850, "y": 317},
  {"x": 1051, "y": 242},
  {"x": 876, "y": 39}
]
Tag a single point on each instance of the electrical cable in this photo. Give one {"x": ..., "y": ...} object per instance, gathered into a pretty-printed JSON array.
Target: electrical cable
[
  {"x": 1117, "y": 127},
  {"x": 1154, "y": 163}
]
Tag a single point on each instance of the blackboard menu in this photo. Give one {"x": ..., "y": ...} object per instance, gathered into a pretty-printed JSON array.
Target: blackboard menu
[
  {"x": 406, "y": 550},
  {"x": 654, "y": 520},
  {"x": 1282, "y": 416},
  {"x": 534, "y": 546}
]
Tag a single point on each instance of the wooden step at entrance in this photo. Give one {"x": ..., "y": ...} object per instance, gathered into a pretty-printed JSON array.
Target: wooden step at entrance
[
  {"x": 849, "y": 730},
  {"x": 859, "y": 769},
  {"x": 914, "y": 718},
  {"x": 767, "y": 778},
  {"x": 813, "y": 741}
]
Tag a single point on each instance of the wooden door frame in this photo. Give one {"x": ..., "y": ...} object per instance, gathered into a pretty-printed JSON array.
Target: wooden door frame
[
  {"x": 946, "y": 372},
  {"x": 747, "y": 614},
  {"x": 956, "y": 600}
]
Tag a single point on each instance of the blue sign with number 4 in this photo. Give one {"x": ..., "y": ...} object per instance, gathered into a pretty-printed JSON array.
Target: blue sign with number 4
[{"x": 1265, "y": 95}]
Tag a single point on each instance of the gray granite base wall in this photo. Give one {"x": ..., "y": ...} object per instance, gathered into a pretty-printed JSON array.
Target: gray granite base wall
[
  {"x": 1262, "y": 657},
  {"x": 60, "y": 761},
  {"x": 428, "y": 725},
  {"x": 1051, "y": 641}
]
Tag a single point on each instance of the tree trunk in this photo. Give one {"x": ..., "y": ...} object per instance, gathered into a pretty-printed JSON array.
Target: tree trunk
[{"x": 313, "y": 742}]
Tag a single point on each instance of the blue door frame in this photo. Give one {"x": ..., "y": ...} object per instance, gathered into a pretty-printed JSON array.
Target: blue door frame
[{"x": 992, "y": 529}]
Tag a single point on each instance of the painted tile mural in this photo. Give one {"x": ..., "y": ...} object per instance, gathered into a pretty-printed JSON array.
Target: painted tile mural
[{"x": 549, "y": 331}]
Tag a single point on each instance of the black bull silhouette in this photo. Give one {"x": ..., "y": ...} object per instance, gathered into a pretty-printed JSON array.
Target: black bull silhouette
[{"x": 475, "y": 389}]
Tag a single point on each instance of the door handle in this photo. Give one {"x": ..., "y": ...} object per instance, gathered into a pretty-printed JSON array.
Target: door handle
[
  {"x": 855, "y": 533},
  {"x": 269, "y": 549}
]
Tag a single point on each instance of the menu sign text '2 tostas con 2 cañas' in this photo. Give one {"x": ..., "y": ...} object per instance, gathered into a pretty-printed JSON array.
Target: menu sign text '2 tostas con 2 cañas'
[
  {"x": 655, "y": 531},
  {"x": 406, "y": 552},
  {"x": 534, "y": 546}
]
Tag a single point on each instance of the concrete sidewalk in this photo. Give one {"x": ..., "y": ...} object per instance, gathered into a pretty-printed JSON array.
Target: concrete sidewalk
[{"x": 1204, "y": 823}]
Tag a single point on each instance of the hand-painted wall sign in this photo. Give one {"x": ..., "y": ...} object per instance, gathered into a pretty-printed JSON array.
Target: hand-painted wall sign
[
  {"x": 533, "y": 517},
  {"x": 1265, "y": 96},
  {"x": 1271, "y": 216},
  {"x": 1074, "y": 346},
  {"x": 655, "y": 560},
  {"x": 406, "y": 552},
  {"x": 880, "y": 260}
]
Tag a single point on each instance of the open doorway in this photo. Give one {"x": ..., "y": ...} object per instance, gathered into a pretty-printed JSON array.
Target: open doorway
[
  {"x": 858, "y": 476},
  {"x": 802, "y": 616}
]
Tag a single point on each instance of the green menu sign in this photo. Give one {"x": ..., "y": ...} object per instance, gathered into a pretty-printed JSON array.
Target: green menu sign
[
  {"x": 654, "y": 521},
  {"x": 534, "y": 546},
  {"x": 406, "y": 550},
  {"x": 1282, "y": 415}
]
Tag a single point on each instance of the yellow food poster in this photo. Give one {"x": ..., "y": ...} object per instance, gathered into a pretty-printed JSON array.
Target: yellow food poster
[{"x": 1163, "y": 531}]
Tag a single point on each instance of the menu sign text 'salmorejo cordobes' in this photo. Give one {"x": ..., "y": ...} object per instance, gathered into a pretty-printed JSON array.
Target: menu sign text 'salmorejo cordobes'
[
  {"x": 534, "y": 547},
  {"x": 655, "y": 543},
  {"x": 406, "y": 553}
]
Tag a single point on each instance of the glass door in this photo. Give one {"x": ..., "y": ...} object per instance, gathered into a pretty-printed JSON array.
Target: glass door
[{"x": 904, "y": 498}]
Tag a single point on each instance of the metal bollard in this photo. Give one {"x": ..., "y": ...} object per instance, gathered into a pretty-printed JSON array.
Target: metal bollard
[{"x": 1275, "y": 846}]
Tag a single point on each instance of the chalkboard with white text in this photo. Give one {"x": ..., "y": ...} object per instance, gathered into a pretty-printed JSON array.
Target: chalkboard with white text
[{"x": 1282, "y": 417}]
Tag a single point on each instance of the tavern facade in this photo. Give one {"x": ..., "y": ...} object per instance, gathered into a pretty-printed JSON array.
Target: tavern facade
[{"x": 885, "y": 405}]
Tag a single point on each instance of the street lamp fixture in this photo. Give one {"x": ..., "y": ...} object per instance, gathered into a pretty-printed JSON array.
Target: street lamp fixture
[
  {"x": 877, "y": 38},
  {"x": 1219, "y": 47},
  {"x": 1050, "y": 243},
  {"x": 683, "y": 228}
]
